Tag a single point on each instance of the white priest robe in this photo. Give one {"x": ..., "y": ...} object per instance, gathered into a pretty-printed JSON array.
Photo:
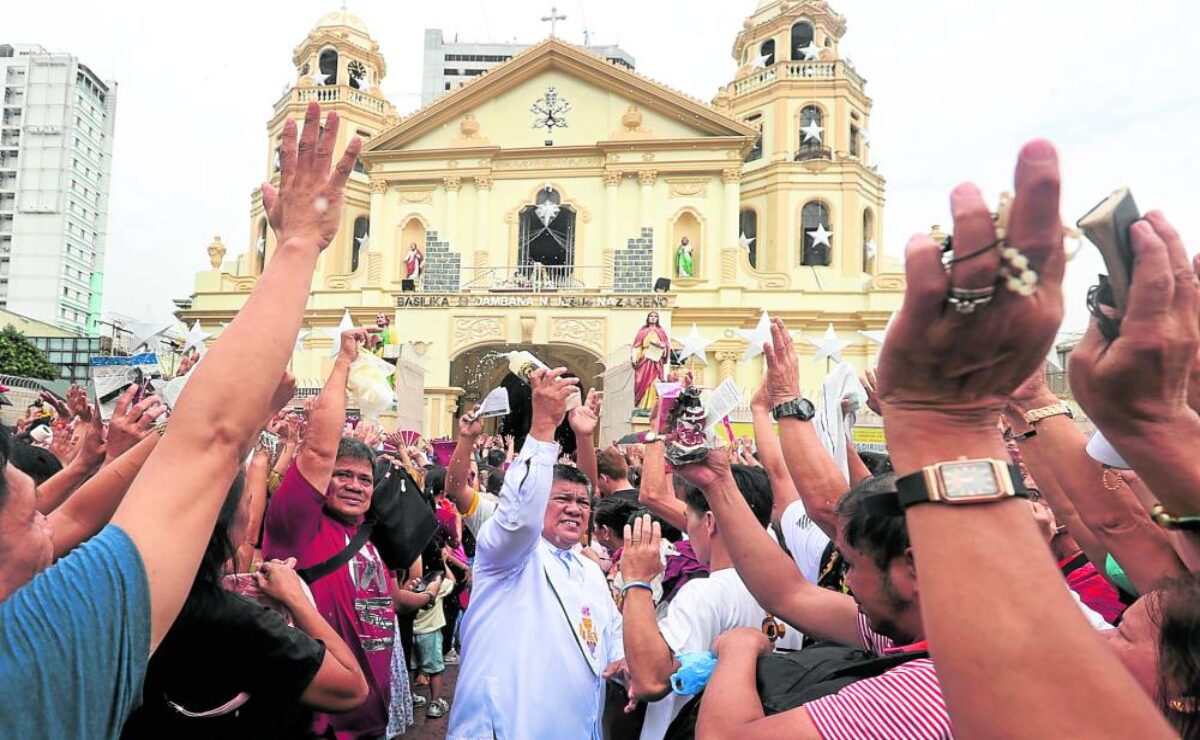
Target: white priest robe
[{"x": 542, "y": 625}]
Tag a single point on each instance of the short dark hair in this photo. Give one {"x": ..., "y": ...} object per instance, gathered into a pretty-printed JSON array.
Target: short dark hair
[
  {"x": 754, "y": 486},
  {"x": 435, "y": 482},
  {"x": 572, "y": 474},
  {"x": 611, "y": 464},
  {"x": 355, "y": 450},
  {"x": 36, "y": 462},
  {"x": 877, "y": 462},
  {"x": 495, "y": 458},
  {"x": 669, "y": 532},
  {"x": 872, "y": 520},
  {"x": 613, "y": 513}
]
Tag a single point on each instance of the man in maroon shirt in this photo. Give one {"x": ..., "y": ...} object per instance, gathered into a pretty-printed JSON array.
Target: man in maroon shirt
[{"x": 312, "y": 517}]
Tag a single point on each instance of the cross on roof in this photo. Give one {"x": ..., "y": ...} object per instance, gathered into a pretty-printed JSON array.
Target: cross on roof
[{"x": 553, "y": 19}]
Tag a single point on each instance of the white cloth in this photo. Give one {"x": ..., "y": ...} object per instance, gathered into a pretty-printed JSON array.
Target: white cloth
[
  {"x": 702, "y": 610},
  {"x": 804, "y": 539},
  {"x": 1094, "y": 617},
  {"x": 541, "y": 627},
  {"x": 832, "y": 425}
]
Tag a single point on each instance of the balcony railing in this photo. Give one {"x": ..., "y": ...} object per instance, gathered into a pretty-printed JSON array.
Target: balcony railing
[
  {"x": 326, "y": 94},
  {"x": 533, "y": 278},
  {"x": 813, "y": 152},
  {"x": 799, "y": 71}
]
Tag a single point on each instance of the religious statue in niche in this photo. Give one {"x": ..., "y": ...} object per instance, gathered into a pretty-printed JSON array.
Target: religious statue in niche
[
  {"x": 685, "y": 266},
  {"x": 414, "y": 262},
  {"x": 650, "y": 355}
]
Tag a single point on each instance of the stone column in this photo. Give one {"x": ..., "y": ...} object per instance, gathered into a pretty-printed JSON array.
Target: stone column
[
  {"x": 732, "y": 198},
  {"x": 646, "y": 179},
  {"x": 450, "y": 217},
  {"x": 483, "y": 189},
  {"x": 727, "y": 365},
  {"x": 612, "y": 187}
]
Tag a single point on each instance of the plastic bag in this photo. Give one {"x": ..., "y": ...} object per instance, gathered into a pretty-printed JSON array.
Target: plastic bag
[
  {"x": 368, "y": 382},
  {"x": 694, "y": 671}
]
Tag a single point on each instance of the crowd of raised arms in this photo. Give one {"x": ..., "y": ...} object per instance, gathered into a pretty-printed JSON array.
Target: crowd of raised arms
[{"x": 173, "y": 578}]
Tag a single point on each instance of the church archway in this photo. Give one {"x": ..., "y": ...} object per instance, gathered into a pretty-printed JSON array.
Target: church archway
[{"x": 480, "y": 369}]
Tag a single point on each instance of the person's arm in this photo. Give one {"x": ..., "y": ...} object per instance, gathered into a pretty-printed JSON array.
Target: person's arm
[
  {"x": 91, "y": 507},
  {"x": 53, "y": 492},
  {"x": 655, "y": 491},
  {"x": 783, "y": 490},
  {"x": 993, "y": 603},
  {"x": 859, "y": 471},
  {"x": 732, "y": 707},
  {"x": 818, "y": 480},
  {"x": 339, "y": 685},
  {"x": 170, "y": 509},
  {"x": 513, "y": 531},
  {"x": 650, "y": 659},
  {"x": 583, "y": 420},
  {"x": 406, "y": 600},
  {"x": 327, "y": 418},
  {"x": 770, "y": 575},
  {"x": 254, "y": 491},
  {"x": 470, "y": 426},
  {"x": 291, "y": 441}
]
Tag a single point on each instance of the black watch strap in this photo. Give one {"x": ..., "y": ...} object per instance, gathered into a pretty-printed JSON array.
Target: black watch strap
[
  {"x": 799, "y": 408},
  {"x": 912, "y": 489}
]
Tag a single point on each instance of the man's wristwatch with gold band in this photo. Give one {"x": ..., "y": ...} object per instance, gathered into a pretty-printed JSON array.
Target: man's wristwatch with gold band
[
  {"x": 962, "y": 482},
  {"x": 1033, "y": 416}
]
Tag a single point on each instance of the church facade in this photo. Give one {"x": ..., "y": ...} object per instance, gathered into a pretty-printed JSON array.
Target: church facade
[{"x": 555, "y": 201}]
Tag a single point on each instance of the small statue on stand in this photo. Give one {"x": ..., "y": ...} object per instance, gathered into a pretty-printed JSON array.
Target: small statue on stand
[{"x": 686, "y": 426}]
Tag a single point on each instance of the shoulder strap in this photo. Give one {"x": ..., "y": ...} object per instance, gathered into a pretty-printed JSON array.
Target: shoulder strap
[{"x": 320, "y": 570}]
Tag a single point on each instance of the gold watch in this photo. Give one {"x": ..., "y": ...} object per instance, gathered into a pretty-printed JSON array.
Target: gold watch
[{"x": 962, "y": 482}]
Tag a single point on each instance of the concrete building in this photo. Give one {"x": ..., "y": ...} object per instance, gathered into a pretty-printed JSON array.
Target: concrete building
[
  {"x": 451, "y": 64},
  {"x": 56, "y": 139}
]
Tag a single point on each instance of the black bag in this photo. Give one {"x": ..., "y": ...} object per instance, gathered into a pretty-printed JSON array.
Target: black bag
[{"x": 404, "y": 523}]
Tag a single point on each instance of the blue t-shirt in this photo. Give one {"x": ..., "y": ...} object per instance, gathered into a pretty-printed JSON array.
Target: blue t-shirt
[{"x": 74, "y": 643}]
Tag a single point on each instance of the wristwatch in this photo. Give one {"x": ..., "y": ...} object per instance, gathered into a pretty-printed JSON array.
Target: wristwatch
[
  {"x": 800, "y": 408},
  {"x": 1033, "y": 416},
  {"x": 652, "y": 437},
  {"x": 962, "y": 482}
]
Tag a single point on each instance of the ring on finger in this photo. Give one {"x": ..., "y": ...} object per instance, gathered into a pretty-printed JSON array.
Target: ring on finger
[{"x": 965, "y": 301}]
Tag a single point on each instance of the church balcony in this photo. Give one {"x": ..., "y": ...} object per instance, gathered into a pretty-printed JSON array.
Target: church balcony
[
  {"x": 534, "y": 278},
  {"x": 799, "y": 71},
  {"x": 326, "y": 94},
  {"x": 807, "y": 153}
]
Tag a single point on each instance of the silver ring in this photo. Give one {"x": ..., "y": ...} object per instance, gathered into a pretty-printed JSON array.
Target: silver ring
[{"x": 966, "y": 300}]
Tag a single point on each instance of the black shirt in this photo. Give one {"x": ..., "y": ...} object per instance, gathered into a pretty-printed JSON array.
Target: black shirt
[
  {"x": 627, "y": 494},
  {"x": 221, "y": 646}
]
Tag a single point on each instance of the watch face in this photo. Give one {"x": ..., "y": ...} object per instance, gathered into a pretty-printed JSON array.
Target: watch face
[{"x": 968, "y": 480}]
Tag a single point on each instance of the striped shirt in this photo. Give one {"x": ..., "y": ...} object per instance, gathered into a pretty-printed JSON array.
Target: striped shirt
[{"x": 905, "y": 702}]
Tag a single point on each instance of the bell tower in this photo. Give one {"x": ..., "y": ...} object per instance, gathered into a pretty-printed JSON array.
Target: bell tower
[
  {"x": 338, "y": 65},
  {"x": 812, "y": 204}
]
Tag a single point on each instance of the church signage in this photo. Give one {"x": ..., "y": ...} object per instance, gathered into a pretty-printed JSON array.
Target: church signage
[{"x": 640, "y": 301}]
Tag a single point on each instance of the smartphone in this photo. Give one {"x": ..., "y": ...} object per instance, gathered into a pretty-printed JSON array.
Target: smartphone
[{"x": 1107, "y": 226}]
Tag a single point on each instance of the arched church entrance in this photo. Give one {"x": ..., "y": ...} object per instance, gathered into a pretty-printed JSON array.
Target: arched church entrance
[{"x": 481, "y": 369}]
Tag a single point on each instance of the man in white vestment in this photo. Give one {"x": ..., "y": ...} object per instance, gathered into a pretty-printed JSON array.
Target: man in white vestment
[{"x": 542, "y": 632}]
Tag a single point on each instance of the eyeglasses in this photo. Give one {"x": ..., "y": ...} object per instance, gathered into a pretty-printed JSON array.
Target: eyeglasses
[{"x": 581, "y": 501}]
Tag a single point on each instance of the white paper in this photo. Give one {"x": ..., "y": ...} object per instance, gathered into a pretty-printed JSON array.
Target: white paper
[
  {"x": 832, "y": 423},
  {"x": 1102, "y": 451},
  {"x": 495, "y": 404},
  {"x": 722, "y": 401}
]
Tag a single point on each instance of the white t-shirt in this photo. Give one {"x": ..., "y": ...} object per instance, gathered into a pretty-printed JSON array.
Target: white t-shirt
[
  {"x": 804, "y": 539},
  {"x": 702, "y": 610}
]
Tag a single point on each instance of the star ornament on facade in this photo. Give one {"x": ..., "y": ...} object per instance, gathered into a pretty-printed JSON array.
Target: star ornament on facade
[
  {"x": 546, "y": 212},
  {"x": 812, "y": 132},
  {"x": 195, "y": 338},
  {"x": 820, "y": 235},
  {"x": 812, "y": 52},
  {"x": 362, "y": 240},
  {"x": 879, "y": 336},
  {"x": 756, "y": 337},
  {"x": 336, "y": 333},
  {"x": 761, "y": 62},
  {"x": 298, "y": 347},
  {"x": 745, "y": 241},
  {"x": 829, "y": 346},
  {"x": 694, "y": 345},
  {"x": 319, "y": 78},
  {"x": 870, "y": 249}
]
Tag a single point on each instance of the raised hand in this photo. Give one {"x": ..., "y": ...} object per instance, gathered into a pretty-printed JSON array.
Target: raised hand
[
  {"x": 307, "y": 206},
  {"x": 585, "y": 418},
  {"x": 713, "y": 468},
  {"x": 783, "y": 371},
  {"x": 369, "y": 434},
  {"x": 870, "y": 382},
  {"x": 961, "y": 365},
  {"x": 641, "y": 560},
  {"x": 550, "y": 393},
  {"x": 131, "y": 422},
  {"x": 94, "y": 446},
  {"x": 284, "y": 392},
  {"x": 77, "y": 402},
  {"x": 352, "y": 338},
  {"x": 187, "y": 363},
  {"x": 279, "y": 580},
  {"x": 60, "y": 408},
  {"x": 470, "y": 426}
]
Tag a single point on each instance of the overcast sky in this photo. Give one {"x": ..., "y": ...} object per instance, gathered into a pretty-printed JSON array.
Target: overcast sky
[{"x": 958, "y": 87}]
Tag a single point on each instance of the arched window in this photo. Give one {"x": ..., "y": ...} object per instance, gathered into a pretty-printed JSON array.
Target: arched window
[
  {"x": 802, "y": 36},
  {"x": 870, "y": 249},
  {"x": 812, "y": 134},
  {"x": 767, "y": 51},
  {"x": 817, "y": 239},
  {"x": 327, "y": 64},
  {"x": 362, "y": 228},
  {"x": 260, "y": 248},
  {"x": 855, "y": 141},
  {"x": 756, "y": 121},
  {"x": 748, "y": 233}
]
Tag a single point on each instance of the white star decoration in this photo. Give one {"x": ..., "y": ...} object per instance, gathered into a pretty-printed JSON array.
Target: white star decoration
[
  {"x": 336, "y": 333},
  {"x": 761, "y": 62},
  {"x": 756, "y": 337},
  {"x": 829, "y": 345},
  {"x": 745, "y": 241},
  {"x": 812, "y": 132},
  {"x": 694, "y": 346},
  {"x": 869, "y": 249},
  {"x": 820, "y": 235},
  {"x": 812, "y": 52},
  {"x": 865, "y": 136},
  {"x": 300, "y": 337},
  {"x": 195, "y": 338},
  {"x": 879, "y": 336},
  {"x": 143, "y": 332},
  {"x": 362, "y": 240},
  {"x": 547, "y": 212},
  {"x": 319, "y": 78}
]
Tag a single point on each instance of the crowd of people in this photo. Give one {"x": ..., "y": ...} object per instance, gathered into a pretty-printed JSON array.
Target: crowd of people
[{"x": 241, "y": 567}]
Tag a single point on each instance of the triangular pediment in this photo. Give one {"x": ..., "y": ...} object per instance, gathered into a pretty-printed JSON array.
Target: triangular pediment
[{"x": 600, "y": 93}]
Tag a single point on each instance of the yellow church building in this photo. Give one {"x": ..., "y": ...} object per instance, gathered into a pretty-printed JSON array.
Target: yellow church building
[{"x": 547, "y": 201}]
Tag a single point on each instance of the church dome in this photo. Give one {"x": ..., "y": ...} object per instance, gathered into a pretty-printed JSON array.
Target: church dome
[{"x": 343, "y": 18}]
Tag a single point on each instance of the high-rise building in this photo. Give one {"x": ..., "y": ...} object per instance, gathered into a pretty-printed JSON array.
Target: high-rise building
[
  {"x": 56, "y": 139},
  {"x": 451, "y": 64}
]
